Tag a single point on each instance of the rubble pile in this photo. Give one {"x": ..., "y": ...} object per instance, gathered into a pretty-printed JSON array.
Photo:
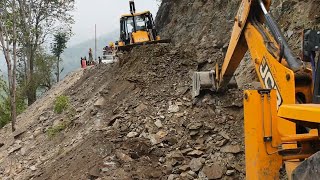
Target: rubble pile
[{"x": 134, "y": 120}]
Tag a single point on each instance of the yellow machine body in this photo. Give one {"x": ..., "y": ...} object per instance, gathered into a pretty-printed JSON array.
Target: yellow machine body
[
  {"x": 260, "y": 119},
  {"x": 140, "y": 36},
  {"x": 137, "y": 29}
]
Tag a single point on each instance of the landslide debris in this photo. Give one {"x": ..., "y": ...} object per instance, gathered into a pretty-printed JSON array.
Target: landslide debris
[{"x": 134, "y": 120}]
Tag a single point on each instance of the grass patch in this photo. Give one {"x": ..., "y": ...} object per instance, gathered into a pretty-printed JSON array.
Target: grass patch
[
  {"x": 53, "y": 131},
  {"x": 71, "y": 112},
  {"x": 61, "y": 104}
]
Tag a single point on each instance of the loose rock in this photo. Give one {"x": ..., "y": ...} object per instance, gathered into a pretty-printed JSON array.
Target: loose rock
[
  {"x": 231, "y": 149},
  {"x": 195, "y": 126},
  {"x": 173, "y": 108},
  {"x": 196, "y": 164},
  {"x": 141, "y": 108},
  {"x": 214, "y": 171},
  {"x": 230, "y": 172},
  {"x": 158, "y": 123},
  {"x": 132, "y": 134}
]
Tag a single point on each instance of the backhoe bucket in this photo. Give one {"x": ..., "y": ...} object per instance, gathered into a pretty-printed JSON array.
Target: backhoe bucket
[
  {"x": 130, "y": 46},
  {"x": 308, "y": 169},
  {"x": 201, "y": 81}
]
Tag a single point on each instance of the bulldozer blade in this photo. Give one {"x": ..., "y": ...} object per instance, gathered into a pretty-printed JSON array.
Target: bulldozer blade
[
  {"x": 130, "y": 46},
  {"x": 203, "y": 80}
]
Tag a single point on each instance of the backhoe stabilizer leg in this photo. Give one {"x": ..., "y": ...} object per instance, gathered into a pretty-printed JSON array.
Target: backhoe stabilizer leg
[
  {"x": 261, "y": 137},
  {"x": 203, "y": 80}
]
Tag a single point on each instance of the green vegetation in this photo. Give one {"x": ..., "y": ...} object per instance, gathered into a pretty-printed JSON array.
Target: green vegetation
[
  {"x": 61, "y": 104},
  {"x": 59, "y": 45},
  {"x": 5, "y": 111},
  {"x": 71, "y": 112},
  {"x": 53, "y": 131},
  {"x": 4, "y": 103},
  {"x": 25, "y": 28},
  {"x": 5, "y": 115}
]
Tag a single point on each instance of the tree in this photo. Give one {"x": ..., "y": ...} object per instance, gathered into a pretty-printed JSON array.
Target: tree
[
  {"x": 4, "y": 103},
  {"x": 8, "y": 42},
  {"x": 5, "y": 108},
  {"x": 45, "y": 66},
  {"x": 38, "y": 19},
  {"x": 24, "y": 27},
  {"x": 59, "y": 45},
  {"x": 44, "y": 73}
]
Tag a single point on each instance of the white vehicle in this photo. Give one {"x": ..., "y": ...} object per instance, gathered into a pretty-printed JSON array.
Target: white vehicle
[{"x": 108, "y": 57}]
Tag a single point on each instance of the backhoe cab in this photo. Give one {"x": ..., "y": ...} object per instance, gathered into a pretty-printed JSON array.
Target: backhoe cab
[{"x": 137, "y": 29}]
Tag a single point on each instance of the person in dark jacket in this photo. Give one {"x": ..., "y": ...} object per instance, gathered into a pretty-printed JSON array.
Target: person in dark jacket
[
  {"x": 100, "y": 60},
  {"x": 85, "y": 58}
]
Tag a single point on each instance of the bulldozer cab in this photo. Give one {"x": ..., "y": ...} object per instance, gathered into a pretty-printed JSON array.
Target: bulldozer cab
[{"x": 137, "y": 27}]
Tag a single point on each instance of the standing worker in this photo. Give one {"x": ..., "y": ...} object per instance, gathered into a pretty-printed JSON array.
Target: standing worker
[
  {"x": 90, "y": 55},
  {"x": 111, "y": 45},
  {"x": 100, "y": 60},
  {"x": 85, "y": 59},
  {"x": 83, "y": 63}
]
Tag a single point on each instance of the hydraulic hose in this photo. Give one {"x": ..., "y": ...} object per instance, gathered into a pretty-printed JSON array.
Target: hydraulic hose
[
  {"x": 313, "y": 65},
  {"x": 316, "y": 93},
  {"x": 293, "y": 63}
]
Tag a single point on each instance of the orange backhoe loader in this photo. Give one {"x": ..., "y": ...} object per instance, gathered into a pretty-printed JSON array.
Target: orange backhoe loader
[
  {"x": 137, "y": 29},
  {"x": 281, "y": 120}
]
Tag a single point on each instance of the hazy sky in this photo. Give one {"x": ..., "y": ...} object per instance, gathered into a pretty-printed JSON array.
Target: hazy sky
[{"x": 104, "y": 13}]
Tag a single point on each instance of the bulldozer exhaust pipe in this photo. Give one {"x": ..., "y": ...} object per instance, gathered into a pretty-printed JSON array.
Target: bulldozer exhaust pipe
[
  {"x": 203, "y": 80},
  {"x": 132, "y": 7}
]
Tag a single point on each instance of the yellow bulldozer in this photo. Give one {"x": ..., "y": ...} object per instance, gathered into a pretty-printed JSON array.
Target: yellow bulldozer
[
  {"x": 282, "y": 119},
  {"x": 137, "y": 29}
]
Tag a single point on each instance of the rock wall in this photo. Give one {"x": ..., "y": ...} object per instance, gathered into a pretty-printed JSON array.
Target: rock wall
[
  {"x": 204, "y": 27},
  {"x": 200, "y": 25}
]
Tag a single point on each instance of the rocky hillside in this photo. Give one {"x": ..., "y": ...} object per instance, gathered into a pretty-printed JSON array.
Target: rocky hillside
[
  {"x": 136, "y": 119},
  {"x": 201, "y": 25},
  {"x": 204, "y": 27}
]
